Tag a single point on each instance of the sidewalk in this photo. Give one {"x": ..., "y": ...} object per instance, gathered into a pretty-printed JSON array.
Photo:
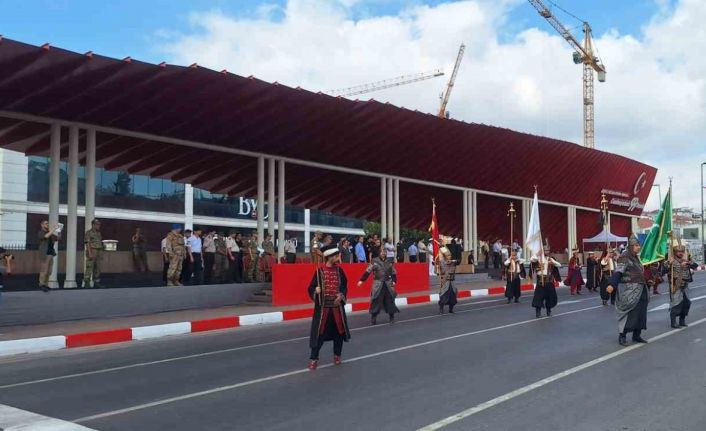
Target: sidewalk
[{"x": 80, "y": 333}]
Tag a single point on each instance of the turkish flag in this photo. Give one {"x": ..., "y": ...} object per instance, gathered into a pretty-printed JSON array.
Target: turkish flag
[{"x": 434, "y": 229}]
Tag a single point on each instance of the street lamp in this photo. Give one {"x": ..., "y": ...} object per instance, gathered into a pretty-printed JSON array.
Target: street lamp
[{"x": 703, "y": 248}]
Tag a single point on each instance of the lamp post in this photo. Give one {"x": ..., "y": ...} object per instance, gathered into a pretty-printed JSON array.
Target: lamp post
[
  {"x": 511, "y": 213},
  {"x": 604, "y": 210},
  {"x": 703, "y": 244}
]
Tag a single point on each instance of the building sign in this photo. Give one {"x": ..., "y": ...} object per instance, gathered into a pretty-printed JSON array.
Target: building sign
[
  {"x": 627, "y": 200},
  {"x": 248, "y": 207}
]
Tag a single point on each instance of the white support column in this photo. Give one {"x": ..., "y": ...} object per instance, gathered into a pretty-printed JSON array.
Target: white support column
[
  {"x": 280, "y": 211},
  {"x": 72, "y": 210},
  {"x": 54, "y": 182},
  {"x": 307, "y": 230},
  {"x": 90, "y": 192},
  {"x": 466, "y": 230},
  {"x": 260, "y": 199},
  {"x": 571, "y": 222},
  {"x": 473, "y": 201},
  {"x": 271, "y": 198},
  {"x": 188, "y": 207},
  {"x": 383, "y": 207},
  {"x": 390, "y": 208},
  {"x": 396, "y": 215}
]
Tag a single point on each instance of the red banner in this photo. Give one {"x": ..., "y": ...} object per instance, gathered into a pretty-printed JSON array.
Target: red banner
[{"x": 290, "y": 281}]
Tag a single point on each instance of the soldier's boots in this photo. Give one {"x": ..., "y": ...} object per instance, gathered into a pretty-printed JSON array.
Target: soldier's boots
[
  {"x": 682, "y": 322},
  {"x": 673, "y": 321}
]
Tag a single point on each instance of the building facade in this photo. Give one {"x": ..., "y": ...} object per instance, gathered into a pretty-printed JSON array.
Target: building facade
[{"x": 126, "y": 201}]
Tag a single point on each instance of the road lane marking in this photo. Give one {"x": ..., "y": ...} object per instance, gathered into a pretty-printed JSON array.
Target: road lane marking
[
  {"x": 230, "y": 350},
  {"x": 536, "y": 385},
  {"x": 305, "y": 370},
  {"x": 13, "y": 419},
  {"x": 666, "y": 306}
]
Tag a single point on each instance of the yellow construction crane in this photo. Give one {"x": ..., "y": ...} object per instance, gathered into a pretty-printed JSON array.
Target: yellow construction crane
[
  {"x": 386, "y": 83},
  {"x": 582, "y": 55},
  {"x": 445, "y": 95}
]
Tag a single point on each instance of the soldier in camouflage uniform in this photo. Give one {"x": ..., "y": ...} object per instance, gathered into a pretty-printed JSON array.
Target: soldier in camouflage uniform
[
  {"x": 268, "y": 258},
  {"x": 176, "y": 251},
  {"x": 251, "y": 257},
  {"x": 221, "y": 259},
  {"x": 93, "y": 256}
]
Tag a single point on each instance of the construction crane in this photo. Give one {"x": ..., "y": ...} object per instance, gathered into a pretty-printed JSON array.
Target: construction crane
[
  {"x": 386, "y": 83},
  {"x": 445, "y": 95},
  {"x": 582, "y": 55}
]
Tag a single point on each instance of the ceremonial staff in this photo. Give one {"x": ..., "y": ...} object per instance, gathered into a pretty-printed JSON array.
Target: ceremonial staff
[
  {"x": 511, "y": 213},
  {"x": 604, "y": 212}
]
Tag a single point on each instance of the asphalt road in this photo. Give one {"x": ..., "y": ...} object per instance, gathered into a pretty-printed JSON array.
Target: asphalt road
[{"x": 492, "y": 366}]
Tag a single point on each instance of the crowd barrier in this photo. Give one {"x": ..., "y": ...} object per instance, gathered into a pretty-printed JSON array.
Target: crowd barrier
[{"x": 290, "y": 282}]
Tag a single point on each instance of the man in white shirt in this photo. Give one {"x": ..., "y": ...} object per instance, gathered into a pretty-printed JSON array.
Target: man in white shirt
[
  {"x": 165, "y": 259},
  {"x": 422, "y": 250},
  {"x": 389, "y": 250},
  {"x": 290, "y": 249},
  {"x": 195, "y": 244}
]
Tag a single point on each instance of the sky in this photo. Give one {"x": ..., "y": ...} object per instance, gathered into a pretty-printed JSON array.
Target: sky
[{"x": 516, "y": 72}]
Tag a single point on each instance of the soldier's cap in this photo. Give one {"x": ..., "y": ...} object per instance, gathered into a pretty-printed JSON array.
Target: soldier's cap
[
  {"x": 176, "y": 226},
  {"x": 330, "y": 250},
  {"x": 95, "y": 221}
]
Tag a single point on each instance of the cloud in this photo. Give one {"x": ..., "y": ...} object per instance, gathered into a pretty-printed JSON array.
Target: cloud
[{"x": 652, "y": 107}]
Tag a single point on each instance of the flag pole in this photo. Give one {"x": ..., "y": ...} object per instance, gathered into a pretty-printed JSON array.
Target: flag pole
[{"x": 511, "y": 213}]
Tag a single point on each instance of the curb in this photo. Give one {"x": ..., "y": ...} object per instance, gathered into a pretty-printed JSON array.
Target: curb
[{"x": 70, "y": 341}]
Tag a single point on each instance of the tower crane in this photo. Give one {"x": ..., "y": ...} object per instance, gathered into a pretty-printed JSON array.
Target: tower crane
[
  {"x": 582, "y": 55},
  {"x": 386, "y": 83},
  {"x": 445, "y": 95}
]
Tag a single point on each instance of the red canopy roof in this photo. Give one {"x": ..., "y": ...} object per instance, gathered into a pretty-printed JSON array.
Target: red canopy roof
[{"x": 229, "y": 111}]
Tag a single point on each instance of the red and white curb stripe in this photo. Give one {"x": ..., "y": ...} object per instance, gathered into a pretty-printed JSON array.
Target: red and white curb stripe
[{"x": 42, "y": 344}]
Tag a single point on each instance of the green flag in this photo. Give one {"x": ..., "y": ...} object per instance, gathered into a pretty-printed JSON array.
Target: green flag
[{"x": 656, "y": 244}]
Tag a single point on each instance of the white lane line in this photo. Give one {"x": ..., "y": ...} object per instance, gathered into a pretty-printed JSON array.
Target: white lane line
[
  {"x": 536, "y": 385},
  {"x": 666, "y": 306},
  {"x": 218, "y": 352},
  {"x": 13, "y": 419},
  {"x": 292, "y": 373}
]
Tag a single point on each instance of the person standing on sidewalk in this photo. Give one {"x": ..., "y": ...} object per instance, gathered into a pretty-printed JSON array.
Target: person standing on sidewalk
[
  {"x": 139, "y": 252},
  {"x": 328, "y": 289},
  {"x": 251, "y": 259},
  {"x": 209, "y": 256},
  {"x": 413, "y": 251},
  {"x": 382, "y": 294},
  {"x": 176, "y": 250},
  {"x": 165, "y": 258},
  {"x": 187, "y": 265},
  {"x": 5, "y": 266},
  {"x": 220, "y": 266},
  {"x": 422, "y": 250},
  {"x": 290, "y": 249},
  {"x": 195, "y": 245},
  {"x": 93, "y": 256},
  {"x": 633, "y": 294},
  {"x": 47, "y": 238}
]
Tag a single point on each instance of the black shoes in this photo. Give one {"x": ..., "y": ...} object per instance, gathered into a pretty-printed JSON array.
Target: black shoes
[
  {"x": 538, "y": 313},
  {"x": 373, "y": 320},
  {"x": 508, "y": 300},
  {"x": 673, "y": 322},
  {"x": 682, "y": 322},
  {"x": 517, "y": 300},
  {"x": 639, "y": 339},
  {"x": 622, "y": 340},
  {"x": 605, "y": 302},
  {"x": 45, "y": 289},
  {"x": 392, "y": 319}
]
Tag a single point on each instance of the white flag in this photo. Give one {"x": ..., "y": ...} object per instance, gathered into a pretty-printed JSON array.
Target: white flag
[{"x": 534, "y": 233}]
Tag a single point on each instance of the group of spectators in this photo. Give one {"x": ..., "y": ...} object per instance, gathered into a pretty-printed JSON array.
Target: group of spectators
[{"x": 362, "y": 249}]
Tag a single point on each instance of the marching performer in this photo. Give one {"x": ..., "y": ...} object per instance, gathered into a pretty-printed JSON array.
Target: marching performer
[
  {"x": 514, "y": 273},
  {"x": 653, "y": 275},
  {"x": 591, "y": 272},
  {"x": 447, "y": 273},
  {"x": 679, "y": 272},
  {"x": 547, "y": 271},
  {"x": 574, "y": 278},
  {"x": 607, "y": 269},
  {"x": 633, "y": 295},
  {"x": 382, "y": 294},
  {"x": 328, "y": 289}
]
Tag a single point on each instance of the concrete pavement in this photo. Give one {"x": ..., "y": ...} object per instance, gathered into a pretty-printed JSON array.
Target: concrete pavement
[{"x": 410, "y": 375}]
